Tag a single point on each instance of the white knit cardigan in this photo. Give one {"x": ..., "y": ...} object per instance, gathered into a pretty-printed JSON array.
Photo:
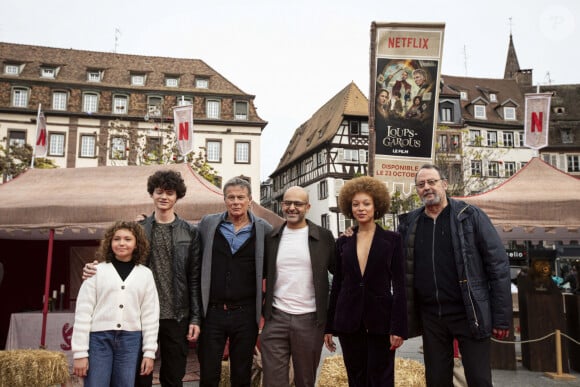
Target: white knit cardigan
[{"x": 106, "y": 302}]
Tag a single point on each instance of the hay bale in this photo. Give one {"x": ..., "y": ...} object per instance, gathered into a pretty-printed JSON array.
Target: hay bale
[
  {"x": 408, "y": 373},
  {"x": 333, "y": 373},
  {"x": 256, "y": 372},
  {"x": 29, "y": 367}
]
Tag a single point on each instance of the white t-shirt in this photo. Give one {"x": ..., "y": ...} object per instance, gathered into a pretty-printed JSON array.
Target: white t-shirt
[{"x": 294, "y": 287}]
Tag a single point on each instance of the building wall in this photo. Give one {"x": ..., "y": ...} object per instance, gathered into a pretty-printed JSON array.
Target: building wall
[{"x": 136, "y": 124}]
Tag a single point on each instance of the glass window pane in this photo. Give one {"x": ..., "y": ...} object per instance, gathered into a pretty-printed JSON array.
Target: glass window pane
[
  {"x": 242, "y": 152},
  {"x": 20, "y": 98},
  {"x": 214, "y": 151},
  {"x": 90, "y": 103},
  {"x": 87, "y": 146},
  {"x": 213, "y": 109},
  {"x": 201, "y": 83},
  {"x": 241, "y": 110},
  {"x": 56, "y": 144},
  {"x": 120, "y": 105},
  {"x": 16, "y": 138},
  {"x": 59, "y": 100},
  {"x": 118, "y": 148}
]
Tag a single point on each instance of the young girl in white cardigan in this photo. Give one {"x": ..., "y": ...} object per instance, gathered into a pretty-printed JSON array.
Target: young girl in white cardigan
[{"x": 117, "y": 312}]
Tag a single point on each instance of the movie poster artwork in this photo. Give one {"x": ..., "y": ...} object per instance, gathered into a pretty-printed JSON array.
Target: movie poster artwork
[{"x": 404, "y": 106}]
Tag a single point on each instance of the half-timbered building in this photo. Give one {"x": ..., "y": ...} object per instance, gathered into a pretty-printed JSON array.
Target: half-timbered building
[{"x": 324, "y": 151}]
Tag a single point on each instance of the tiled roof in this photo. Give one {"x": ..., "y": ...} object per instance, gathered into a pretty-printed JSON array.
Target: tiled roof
[
  {"x": 324, "y": 124},
  {"x": 479, "y": 91},
  {"x": 564, "y": 96},
  {"x": 74, "y": 64}
]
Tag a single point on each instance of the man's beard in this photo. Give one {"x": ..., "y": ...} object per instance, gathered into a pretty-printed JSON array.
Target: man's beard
[{"x": 431, "y": 202}]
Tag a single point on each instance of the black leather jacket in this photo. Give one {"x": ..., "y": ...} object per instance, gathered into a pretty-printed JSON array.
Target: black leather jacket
[{"x": 186, "y": 268}]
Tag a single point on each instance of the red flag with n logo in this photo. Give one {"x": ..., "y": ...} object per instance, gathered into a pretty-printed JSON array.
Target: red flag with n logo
[
  {"x": 40, "y": 146},
  {"x": 183, "y": 126},
  {"x": 537, "y": 120}
]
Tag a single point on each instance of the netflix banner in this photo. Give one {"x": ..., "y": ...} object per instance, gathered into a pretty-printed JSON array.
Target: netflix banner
[
  {"x": 537, "y": 120},
  {"x": 405, "y": 70},
  {"x": 183, "y": 125}
]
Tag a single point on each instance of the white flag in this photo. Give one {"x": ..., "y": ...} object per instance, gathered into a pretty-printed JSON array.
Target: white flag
[
  {"x": 183, "y": 125},
  {"x": 537, "y": 120},
  {"x": 40, "y": 147}
]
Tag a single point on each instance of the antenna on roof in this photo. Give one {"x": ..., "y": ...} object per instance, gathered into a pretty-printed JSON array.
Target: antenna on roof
[
  {"x": 117, "y": 36},
  {"x": 548, "y": 79}
]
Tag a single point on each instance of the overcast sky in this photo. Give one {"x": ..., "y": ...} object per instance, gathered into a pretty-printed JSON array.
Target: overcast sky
[{"x": 295, "y": 55}]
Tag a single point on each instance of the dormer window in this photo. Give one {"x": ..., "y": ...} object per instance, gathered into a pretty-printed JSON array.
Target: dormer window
[
  {"x": 201, "y": 83},
  {"x": 241, "y": 110},
  {"x": 11, "y": 69},
  {"x": 479, "y": 111},
  {"x": 172, "y": 81},
  {"x": 138, "y": 79},
  {"x": 559, "y": 110},
  {"x": 493, "y": 97},
  {"x": 94, "y": 76},
  {"x": 48, "y": 72},
  {"x": 463, "y": 95},
  {"x": 446, "y": 114},
  {"x": 509, "y": 113}
]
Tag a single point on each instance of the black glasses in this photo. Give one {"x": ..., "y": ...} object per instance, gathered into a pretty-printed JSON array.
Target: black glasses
[
  {"x": 431, "y": 183},
  {"x": 297, "y": 204}
]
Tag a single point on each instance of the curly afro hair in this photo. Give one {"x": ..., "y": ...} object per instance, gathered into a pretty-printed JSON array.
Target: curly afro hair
[{"x": 369, "y": 185}]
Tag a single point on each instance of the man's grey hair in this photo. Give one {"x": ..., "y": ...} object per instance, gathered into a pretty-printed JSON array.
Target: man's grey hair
[{"x": 238, "y": 182}]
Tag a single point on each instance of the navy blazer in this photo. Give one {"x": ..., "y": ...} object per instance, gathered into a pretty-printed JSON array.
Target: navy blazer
[{"x": 375, "y": 301}]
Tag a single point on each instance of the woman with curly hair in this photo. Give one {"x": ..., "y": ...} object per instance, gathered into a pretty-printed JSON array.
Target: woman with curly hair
[
  {"x": 368, "y": 303},
  {"x": 117, "y": 312}
]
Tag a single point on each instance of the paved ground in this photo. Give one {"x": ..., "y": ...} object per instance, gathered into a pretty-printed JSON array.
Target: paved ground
[{"x": 501, "y": 378}]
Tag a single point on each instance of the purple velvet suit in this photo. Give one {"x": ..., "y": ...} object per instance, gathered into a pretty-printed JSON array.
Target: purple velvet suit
[{"x": 366, "y": 300}]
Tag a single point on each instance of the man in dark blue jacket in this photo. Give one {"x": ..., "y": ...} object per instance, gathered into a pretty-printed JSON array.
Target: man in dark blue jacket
[{"x": 459, "y": 280}]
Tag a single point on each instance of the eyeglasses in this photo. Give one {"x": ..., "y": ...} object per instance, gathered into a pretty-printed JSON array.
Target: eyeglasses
[
  {"x": 430, "y": 182},
  {"x": 297, "y": 204}
]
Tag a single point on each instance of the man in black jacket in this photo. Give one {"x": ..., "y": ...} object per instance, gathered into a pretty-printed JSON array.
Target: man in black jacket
[
  {"x": 459, "y": 281},
  {"x": 299, "y": 257},
  {"x": 175, "y": 260}
]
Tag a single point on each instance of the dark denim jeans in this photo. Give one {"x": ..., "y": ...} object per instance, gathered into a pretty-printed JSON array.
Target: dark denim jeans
[{"x": 113, "y": 358}]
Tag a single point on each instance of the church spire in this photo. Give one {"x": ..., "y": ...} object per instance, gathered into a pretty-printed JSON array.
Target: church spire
[{"x": 512, "y": 66}]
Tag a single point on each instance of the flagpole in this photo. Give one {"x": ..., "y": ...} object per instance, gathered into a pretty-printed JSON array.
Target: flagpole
[{"x": 35, "y": 137}]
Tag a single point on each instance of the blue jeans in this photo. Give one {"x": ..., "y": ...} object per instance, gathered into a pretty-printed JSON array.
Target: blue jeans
[{"x": 113, "y": 358}]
